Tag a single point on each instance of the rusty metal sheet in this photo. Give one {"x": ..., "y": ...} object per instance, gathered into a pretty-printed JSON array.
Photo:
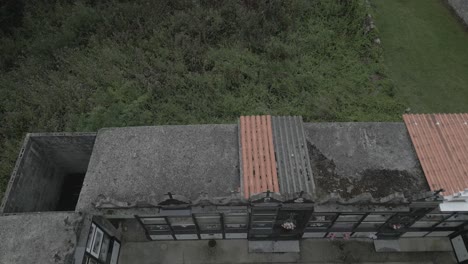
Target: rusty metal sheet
[
  {"x": 441, "y": 143},
  {"x": 258, "y": 155}
]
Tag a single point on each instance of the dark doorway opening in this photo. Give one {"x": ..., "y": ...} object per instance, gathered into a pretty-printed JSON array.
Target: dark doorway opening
[{"x": 70, "y": 192}]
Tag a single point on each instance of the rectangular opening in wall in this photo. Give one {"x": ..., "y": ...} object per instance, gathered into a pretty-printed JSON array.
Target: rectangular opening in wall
[
  {"x": 49, "y": 172},
  {"x": 71, "y": 189}
]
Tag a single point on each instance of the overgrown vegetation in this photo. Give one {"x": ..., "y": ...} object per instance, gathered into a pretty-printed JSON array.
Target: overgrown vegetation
[
  {"x": 426, "y": 52},
  {"x": 83, "y": 65}
]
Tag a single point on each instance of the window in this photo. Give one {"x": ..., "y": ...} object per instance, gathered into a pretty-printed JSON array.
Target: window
[
  {"x": 414, "y": 234},
  {"x": 262, "y": 225},
  {"x": 422, "y": 224},
  {"x": 318, "y": 224},
  {"x": 91, "y": 261},
  {"x": 157, "y": 228},
  {"x": 264, "y": 212},
  {"x": 439, "y": 234},
  {"x": 209, "y": 223},
  {"x": 115, "y": 252},
  {"x": 101, "y": 248},
  {"x": 364, "y": 235},
  {"x": 182, "y": 224},
  {"x": 344, "y": 225},
  {"x": 458, "y": 217},
  {"x": 97, "y": 242},
  {"x": 235, "y": 225},
  {"x": 450, "y": 224},
  {"x": 377, "y": 217},
  {"x": 263, "y": 217},
  {"x": 104, "y": 248},
  {"x": 154, "y": 221},
  {"x": 349, "y": 218},
  {"x": 434, "y": 217},
  {"x": 373, "y": 225},
  {"x": 403, "y": 220},
  {"x": 314, "y": 235},
  {"x": 90, "y": 237},
  {"x": 235, "y": 221},
  {"x": 321, "y": 218}
]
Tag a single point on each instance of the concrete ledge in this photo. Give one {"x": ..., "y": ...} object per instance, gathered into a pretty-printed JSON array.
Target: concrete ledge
[
  {"x": 460, "y": 7},
  {"x": 413, "y": 245},
  {"x": 274, "y": 246}
]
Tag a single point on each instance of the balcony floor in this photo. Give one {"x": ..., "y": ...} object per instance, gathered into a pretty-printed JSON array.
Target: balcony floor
[{"x": 236, "y": 251}]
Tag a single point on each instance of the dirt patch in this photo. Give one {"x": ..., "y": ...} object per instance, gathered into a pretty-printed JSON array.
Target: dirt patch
[{"x": 378, "y": 182}]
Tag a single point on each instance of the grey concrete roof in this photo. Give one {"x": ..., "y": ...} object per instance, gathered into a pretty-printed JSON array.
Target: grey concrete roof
[
  {"x": 39, "y": 237},
  {"x": 355, "y": 158},
  {"x": 134, "y": 162}
]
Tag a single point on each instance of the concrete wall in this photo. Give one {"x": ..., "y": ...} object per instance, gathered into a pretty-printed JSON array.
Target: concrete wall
[
  {"x": 461, "y": 9},
  {"x": 44, "y": 162}
]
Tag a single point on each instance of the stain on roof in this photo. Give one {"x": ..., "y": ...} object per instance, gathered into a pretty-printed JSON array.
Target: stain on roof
[
  {"x": 352, "y": 159},
  {"x": 441, "y": 143}
]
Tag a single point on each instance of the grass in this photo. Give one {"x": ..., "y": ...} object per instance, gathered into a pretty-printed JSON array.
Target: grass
[{"x": 426, "y": 54}]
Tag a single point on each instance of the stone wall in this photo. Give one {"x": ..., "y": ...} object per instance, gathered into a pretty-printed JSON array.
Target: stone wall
[{"x": 461, "y": 9}]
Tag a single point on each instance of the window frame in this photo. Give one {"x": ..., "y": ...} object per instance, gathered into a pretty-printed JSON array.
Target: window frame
[{"x": 90, "y": 256}]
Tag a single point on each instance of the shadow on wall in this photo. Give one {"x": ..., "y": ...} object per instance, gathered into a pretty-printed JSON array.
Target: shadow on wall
[{"x": 49, "y": 173}]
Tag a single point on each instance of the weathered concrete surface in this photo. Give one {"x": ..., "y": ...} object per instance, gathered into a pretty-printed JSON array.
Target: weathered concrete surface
[
  {"x": 132, "y": 231},
  {"x": 427, "y": 244},
  {"x": 355, "y": 158},
  {"x": 461, "y": 9},
  {"x": 35, "y": 186},
  {"x": 264, "y": 246},
  {"x": 236, "y": 251},
  {"x": 44, "y": 161},
  {"x": 69, "y": 151},
  {"x": 134, "y": 163},
  {"x": 39, "y": 237}
]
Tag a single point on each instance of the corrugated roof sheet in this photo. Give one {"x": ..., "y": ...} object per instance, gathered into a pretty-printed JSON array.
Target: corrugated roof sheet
[
  {"x": 258, "y": 155},
  {"x": 441, "y": 143},
  {"x": 294, "y": 170}
]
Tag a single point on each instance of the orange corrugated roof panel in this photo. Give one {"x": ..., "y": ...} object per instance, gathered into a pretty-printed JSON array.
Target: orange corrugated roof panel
[
  {"x": 441, "y": 143},
  {"x": 258, "y": 155}
]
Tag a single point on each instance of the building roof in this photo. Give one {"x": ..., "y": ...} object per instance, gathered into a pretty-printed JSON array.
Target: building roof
[
  {"x": 134, "y": 163},
  {"x": 352, "y": 159},
  {"x": 39, "y": 237},
  {"x": 441, "y": 142}
]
